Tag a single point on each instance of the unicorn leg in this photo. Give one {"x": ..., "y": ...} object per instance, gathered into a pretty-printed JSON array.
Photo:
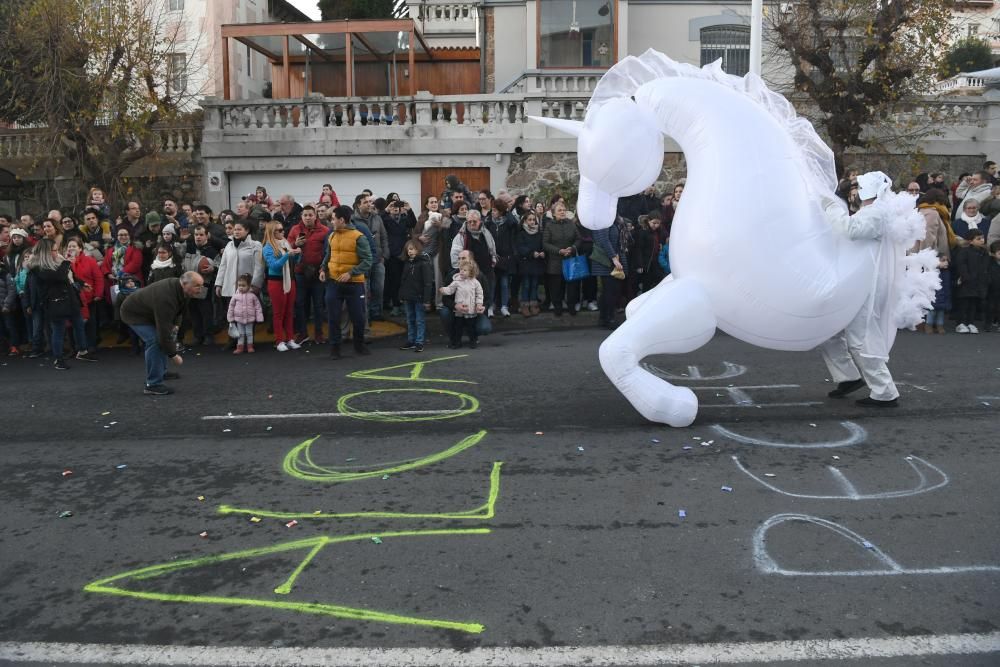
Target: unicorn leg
[
  {"x": 676, "y": 317},
  {"x": 635, "y": 304}
]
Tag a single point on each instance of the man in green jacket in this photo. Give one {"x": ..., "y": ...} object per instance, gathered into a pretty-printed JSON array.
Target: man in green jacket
[{"x": 152, "y": 312}]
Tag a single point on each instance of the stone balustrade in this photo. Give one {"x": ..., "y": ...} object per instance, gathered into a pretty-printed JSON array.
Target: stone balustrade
[
  {"x": 347, "y": 115},
  {"x": 556, "y": 83},
  {"x": 961, "y": 82},
  {"x": 31, "y": 143},
  {"x": 442, "y": 16}
]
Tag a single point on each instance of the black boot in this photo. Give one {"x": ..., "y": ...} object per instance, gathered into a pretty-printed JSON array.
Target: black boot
[
  {"x": 845, "y": 388},
  {"x": 335, "y": 351},
  {"x": 361, "y": 348}
]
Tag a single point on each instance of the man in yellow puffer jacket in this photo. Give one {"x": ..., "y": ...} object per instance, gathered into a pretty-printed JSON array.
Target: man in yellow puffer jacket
[{"x": 346, "y": 260}]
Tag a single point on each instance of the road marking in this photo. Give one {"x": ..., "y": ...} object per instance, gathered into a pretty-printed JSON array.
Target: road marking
[
  {"x": 594, "y": 656},
  {"x": 317, "y": 415},
  {"x": 766, "y": 564},
  {"x": 857, "y": 435},
  {"x": 730, "y": 370},
  {"x": 849, "y": 490}
]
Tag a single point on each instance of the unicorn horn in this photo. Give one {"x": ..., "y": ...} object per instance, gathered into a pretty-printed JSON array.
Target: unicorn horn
[{"x": 573, "y": 127}]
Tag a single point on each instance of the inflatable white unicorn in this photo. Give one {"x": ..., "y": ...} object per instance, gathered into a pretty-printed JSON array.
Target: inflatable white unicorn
[{"x": 751, "y": 249}]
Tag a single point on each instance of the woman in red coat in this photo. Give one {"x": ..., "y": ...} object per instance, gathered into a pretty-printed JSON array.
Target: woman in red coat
[
  {"x": 87, "y": 273},
  {"x": 121, "y": 258}
]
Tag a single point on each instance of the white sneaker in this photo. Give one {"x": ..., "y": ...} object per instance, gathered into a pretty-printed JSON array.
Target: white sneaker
[
  {"x": 292, "y": 345},
  {"x": 282, "y": 347},
  {"x": 592, "y": 305},
  {"x": 505, "y": 311},
  {"x": 489, "y": 313},
  {"x": 577, "y": 306},
  {"x": 961, "y": 328},
  {"x": 973, "y": 329}
]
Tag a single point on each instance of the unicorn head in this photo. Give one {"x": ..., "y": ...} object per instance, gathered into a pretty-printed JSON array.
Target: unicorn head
[{"x": 620, "y": 153}]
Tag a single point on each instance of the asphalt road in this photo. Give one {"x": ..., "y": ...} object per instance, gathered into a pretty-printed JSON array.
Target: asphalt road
[{"x": 841, "y": 523}]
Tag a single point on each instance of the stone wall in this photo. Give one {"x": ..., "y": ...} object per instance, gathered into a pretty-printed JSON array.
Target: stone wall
[{"x": 530, "y": 172}]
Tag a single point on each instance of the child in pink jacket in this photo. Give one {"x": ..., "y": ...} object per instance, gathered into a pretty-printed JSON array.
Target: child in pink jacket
[
  {"x": 468, "y": 303},
  {"x": 244, "y": 311}
]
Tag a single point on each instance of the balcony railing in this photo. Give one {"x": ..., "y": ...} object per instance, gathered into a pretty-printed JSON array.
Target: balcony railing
[
  {"x": 423, "y": 110},
  {"x": 962, "y": 83},
  {"x": 436, "y": 16},
  {"x": 556, "y": 82},
  {"x": 29, "y": 142}
]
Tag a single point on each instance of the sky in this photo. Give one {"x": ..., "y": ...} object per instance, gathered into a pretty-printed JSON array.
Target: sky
[{"x": 307, "y": 7}]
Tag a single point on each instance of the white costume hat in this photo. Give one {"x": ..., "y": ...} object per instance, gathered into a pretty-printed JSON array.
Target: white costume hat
[{"x": 872, "y": 185}]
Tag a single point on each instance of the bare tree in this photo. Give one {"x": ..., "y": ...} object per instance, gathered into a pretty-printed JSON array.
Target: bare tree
[
  {"x": 863, "y": 68},
  {"x": 95, "y": 77}
]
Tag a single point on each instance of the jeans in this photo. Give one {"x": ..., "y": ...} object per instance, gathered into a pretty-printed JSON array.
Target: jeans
[
  {"x": 416, "y": 324},
  {"x": 353, "y": 294},
  {"x": 376, "y": 286},
  {"x": 529, "y": 289},
  {"x": 935, "y": 318},
  {"x": 503, "y": 280},
  {"x": 36, "y": 329},
  {"x": 57, "y": 329},
  {"x": 310, "y": 295},
  {"x": 156, "y": 360}
]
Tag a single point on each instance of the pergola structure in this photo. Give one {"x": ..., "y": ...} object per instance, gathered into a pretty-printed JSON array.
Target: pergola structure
[{"x": 328, "y": 41}]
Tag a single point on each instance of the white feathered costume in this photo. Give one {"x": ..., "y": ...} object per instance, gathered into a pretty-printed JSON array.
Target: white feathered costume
[{"x": 902, "y": 286}]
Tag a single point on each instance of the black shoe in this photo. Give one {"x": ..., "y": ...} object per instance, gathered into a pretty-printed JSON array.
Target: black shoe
[
  {"x": 454, "y": 346},
  {"x": 572, "y": 311},
  {"x": 418, "y": 348},
  {"x": 335, "y": 351},
  {"x": 473, "y": 344},
  {"x": 85, "y": 356},
  {"x": 558, "y": 312},
  {"x": 408, "y": 346},
  {"x": 157, "y": 390},
  {"x": 362, "y": 350},
  {"x": 60, "y": 365},
  {"x": 34, "y": 354},
  {"x": 869, "y": 402},
  {"x": 845, "y": 388},
  {"x": 171, "y": 375}
]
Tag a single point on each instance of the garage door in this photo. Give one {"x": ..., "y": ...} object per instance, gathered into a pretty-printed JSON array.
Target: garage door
[{"x": 306, "y": 186}]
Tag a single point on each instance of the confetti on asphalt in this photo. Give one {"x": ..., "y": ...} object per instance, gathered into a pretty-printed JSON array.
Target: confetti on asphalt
[
  {"x": 837, "y": 458},
  {"x": 682, "y": 513},
  {"x": 813, "y": 425},
  {"x": 203, "y": 534},
  {"x": 270, "y": 395},
  {"x": 710, "y": 442},
  {"x": 694, "y": 437},
  {"x": 351, "y": 459},
  {"x": 202, "y": 498},
  {"x": 112, "y": 423},
  {"x": 227, "y": 430},
  {"x": 376, "y": 539},
  {"x": 867, "y": 545},
  {"x": 121, "y": 466},
  {"x": 687, "y": 447},
  {"x": 317, "y": 512},
  {"x": 385, "y": 477},
  {"x": 106, "y": 426},
  {"x": 656, "y": 441},
  {"x": 255, "y": 519},
  {"x": 65, "y": 514},
  {"x": 67, "y": 473},
  {"x": 291, "y": 524},
  {"x": 909, "y": 458},
  {"x": 579, "y": 449},
  {"x": 229, "y": 414},
  {"x": 985, "y": 403},
  {"x": 105, "y": 413},
  {"x": 269, "y": 428},
  {"x": 727, "y": 489},
  {"x": 539, "y": 432},
  {"x": 706, "y": 444},
  {"x": 769, "y": 474}
]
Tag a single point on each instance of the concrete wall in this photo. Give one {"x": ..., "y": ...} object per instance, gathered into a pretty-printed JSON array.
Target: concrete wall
[{"x": 511, "y": 42}]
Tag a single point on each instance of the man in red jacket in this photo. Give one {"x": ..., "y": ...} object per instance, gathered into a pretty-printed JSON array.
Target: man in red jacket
[{"x": 309, "y": 235}]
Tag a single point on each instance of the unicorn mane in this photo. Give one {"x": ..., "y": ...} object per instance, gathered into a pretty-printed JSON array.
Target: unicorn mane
[{"x": 625, "y": 78}]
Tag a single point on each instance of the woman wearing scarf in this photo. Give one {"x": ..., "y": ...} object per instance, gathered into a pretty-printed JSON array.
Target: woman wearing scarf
[
  {"x": 278, "y": 257},
  {"x": 936, "y": 236},
  {"x": 88, "y": 274},
  {"x": 935, "y": 201},
  {"x": 530, "y": 262},
  {"x": 970, "y": 218},
  {"x": 121, "y": 258}
]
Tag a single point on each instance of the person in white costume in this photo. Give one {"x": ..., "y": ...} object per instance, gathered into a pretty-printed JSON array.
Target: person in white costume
[{"x": 858, "y": 355}]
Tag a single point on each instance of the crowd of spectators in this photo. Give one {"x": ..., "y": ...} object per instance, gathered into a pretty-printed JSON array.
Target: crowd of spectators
[{"x": 64, "y": 276}]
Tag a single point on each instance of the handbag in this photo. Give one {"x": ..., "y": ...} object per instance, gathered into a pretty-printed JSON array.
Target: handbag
[
  {"x": 234, "y": 330},
  {"x": 618, "y": 274},
  {"x": 598, "y": 255},
  {"x": 575, "y": 268}
]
